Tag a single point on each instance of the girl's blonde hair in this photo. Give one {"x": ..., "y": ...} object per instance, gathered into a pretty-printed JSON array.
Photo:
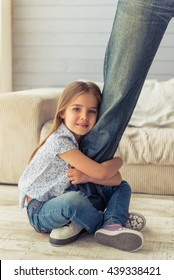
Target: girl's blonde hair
[{"x": 72, "y": 90}]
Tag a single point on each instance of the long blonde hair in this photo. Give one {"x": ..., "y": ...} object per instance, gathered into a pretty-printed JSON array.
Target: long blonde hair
[{"x": 72, "y": 90}]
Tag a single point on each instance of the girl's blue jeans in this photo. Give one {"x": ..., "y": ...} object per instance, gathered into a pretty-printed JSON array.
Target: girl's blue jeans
[
  {"x": 138, "y": 28},
  {"x": 74, "y": 206}
]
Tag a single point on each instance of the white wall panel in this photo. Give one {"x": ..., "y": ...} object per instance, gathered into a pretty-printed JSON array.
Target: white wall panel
[
  {"x": 5, "y": 46},
  {"x": 58, "y": 41}
]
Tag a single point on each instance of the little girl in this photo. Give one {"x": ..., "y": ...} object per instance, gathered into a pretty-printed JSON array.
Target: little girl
[{"x": 53, "y": 204}]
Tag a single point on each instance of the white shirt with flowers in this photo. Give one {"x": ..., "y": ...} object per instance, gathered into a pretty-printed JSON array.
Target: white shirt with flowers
[{"x": 45, "y": 176}]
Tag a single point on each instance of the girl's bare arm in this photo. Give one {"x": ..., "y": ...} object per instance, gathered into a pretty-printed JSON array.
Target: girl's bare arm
[
  {"x": 99, "y": 171},
  {"x": 77, "y": 177}
]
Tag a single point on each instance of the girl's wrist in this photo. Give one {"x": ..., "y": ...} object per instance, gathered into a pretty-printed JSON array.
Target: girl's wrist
[{"x": 89, "y": 179}]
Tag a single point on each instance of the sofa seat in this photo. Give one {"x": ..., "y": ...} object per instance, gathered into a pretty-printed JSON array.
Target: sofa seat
[{"x": 148, "y": 156}]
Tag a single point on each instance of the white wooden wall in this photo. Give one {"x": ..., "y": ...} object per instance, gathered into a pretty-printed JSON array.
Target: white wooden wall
[
  {"x": 58, "y": 41},
  {"x": 5, "y": 46}
]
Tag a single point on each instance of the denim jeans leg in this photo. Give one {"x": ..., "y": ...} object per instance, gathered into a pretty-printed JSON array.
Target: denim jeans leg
[
  {"x": 59, "y": 211},
  {"x": 137, "y": 31},
  {"x": 118, "y": 199},
  {"x": 135, "y": 37}
]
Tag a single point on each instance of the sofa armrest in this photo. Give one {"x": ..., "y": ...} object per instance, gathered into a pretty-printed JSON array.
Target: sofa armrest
[{"x": 22, "y": 115}]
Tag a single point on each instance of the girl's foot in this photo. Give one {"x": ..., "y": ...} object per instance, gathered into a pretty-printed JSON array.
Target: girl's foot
[
  {"x": 65, "y": 234},
  {"x": 120, "y": 238},
  {"x": 136, "y": 221}
]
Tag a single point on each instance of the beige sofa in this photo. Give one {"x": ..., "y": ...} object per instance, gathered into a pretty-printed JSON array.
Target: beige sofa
[{"x": 147, "y": 149}]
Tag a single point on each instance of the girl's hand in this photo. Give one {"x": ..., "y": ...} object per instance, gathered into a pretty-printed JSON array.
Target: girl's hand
[{"x": 77, "y": 177}]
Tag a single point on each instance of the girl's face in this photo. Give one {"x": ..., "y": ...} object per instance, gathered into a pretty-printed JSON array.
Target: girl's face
[{"x": 81, "y": 114}]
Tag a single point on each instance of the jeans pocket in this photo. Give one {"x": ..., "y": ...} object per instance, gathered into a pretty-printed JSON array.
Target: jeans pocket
[{"x": 32, "y": 212}]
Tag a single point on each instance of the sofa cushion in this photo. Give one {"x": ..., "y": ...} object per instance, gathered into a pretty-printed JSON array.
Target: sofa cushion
[{"x": 147, "y": 145}]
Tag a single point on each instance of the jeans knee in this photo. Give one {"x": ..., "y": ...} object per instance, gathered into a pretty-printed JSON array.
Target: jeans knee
[
  {"x": 75, "y": 200},
  {"x": 126, "y": 187}
]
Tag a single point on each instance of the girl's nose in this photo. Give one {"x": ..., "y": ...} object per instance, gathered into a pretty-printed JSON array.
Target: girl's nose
[{"x": 84, "y": 116}]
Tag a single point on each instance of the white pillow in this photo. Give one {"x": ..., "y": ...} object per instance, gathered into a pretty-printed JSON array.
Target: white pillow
[{"x": 155, "y": 107}]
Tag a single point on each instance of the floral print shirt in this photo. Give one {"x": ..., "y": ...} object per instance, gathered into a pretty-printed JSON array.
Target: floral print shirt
[{"x": 45, "y": 176}]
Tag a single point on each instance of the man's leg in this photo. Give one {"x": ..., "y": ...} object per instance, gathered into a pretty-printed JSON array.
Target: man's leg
[
  {"x": 135, "y": 37},
  {"x": 136, "y": 34}
]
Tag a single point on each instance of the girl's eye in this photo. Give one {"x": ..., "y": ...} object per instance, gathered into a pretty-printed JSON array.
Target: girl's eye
[
  {"x": 76, "y": 109},
  {"x": 93, "y": 112}
]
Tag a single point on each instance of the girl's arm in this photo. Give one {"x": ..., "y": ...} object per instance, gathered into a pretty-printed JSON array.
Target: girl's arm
[
  {"x": 77, "y": 177},
  {"x": 91, "y": 168}
]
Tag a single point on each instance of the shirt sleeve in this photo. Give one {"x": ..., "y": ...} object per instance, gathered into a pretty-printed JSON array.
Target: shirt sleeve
[
  {"x": 60, "y": 144},
  {"x": 65, "y": 144}
]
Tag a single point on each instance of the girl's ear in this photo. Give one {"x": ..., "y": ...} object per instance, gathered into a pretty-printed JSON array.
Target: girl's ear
[{"x": 62, "y": 115}]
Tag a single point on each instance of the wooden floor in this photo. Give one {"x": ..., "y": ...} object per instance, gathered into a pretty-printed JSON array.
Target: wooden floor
[{"x": 18, "y": 241}]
